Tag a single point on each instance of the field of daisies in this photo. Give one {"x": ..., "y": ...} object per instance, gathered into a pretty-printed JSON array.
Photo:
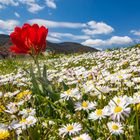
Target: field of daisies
[{"x": 90, "y": 96}]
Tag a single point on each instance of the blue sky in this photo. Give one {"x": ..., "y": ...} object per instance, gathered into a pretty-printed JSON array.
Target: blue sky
[{"x": 96, "y": 23}]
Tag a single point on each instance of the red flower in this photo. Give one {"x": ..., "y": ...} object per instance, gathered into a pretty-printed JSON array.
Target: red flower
[{"x": 30, "y": 39}]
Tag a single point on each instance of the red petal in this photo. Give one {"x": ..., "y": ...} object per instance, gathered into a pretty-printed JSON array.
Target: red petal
[
  {"x": 15, "y": 49},
  {"x": 42, "y": 34},
  {"x": 17, "y": 29},
  {"x": 26, "y": 25},
  {"x": 33, "y": 34}
]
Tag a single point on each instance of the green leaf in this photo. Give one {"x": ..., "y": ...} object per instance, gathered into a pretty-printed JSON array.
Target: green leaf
[
  {"x": 44, "y": 72},
  {"x": 65, "y": 87},
  {"x": 34, "y": 81}
]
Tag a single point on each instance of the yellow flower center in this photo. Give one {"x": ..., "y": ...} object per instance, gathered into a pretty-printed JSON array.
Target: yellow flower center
[
  {"x": 125, "y": 63},
  {"x": 68, "y": 92},
  {"x": 2, "y": 108},
  {"x": 84, "y": 104},
  {"x": 79, "y": 80},
  {"x": 79, "y": 138},
  {"x": 29, "y": 110},
  {"x": 23, "y": 120},
  {"x": 4, "y": 134},
  {"x": 115, "y": 127},
  {"x": 23, "y": 94},
  {"x": 99, "y": 112},
  {"x": 69, "y": 128},
  {"x": 120, "y": 77},
  {"x": 90, "y": 77},
  {"x": 118, "y": 109}
]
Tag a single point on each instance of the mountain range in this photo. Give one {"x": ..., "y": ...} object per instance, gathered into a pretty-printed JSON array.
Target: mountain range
[{"x": 64, "y": 47}]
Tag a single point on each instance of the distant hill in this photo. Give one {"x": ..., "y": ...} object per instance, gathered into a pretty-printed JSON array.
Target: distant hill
[
  {"x": 69, "y": 47},
  {"x": 65, "y": 47}
]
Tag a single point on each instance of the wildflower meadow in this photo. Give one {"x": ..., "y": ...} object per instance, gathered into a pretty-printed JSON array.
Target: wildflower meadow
[{"x": 89, "y": 96}]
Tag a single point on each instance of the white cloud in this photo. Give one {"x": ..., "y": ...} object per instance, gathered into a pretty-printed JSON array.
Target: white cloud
[
  {"x": 1, "y": 7},
  {"x": 17, "y": 14},
  {"x": 51, "y": 4},
  {"x": 90, "y": 28},
  {"x": 55, "y": 24},
  {"x": 69, "y": 35},
  {"x": 95, "y": 28},
  {"x": 9, "y": 2},
  {"x": 135, "y": 32},
  {"x": 115, "y": 40},
  {"x": 53, "y": 39},
  {"x": 27, "y": 1},
  {"x": 8, "y": 24},
  {"x": 95, "y": 42},
  {"x": 32, "y": 6},
  {"x": 119, "y": 40}
]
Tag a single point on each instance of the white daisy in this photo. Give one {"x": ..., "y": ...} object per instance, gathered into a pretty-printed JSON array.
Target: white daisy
[
  {"x": 136, "y": 80},
  {"x": 118, "y": 112},
  {"x": 137, "y": 95},
  {"x": 82, "y": 137},
  {"x": 123, "y": 100},
  {"x": 71, "y": 93},
  {"x": 115, "y": 128},
  {"x": 88, "y": 86},
  {"x": 27, "y": 112},
  {"x": 85, "y": 105},
  {"x": 98, "y": 114},
  {"x": 11, "y": 94},
  {"x": 25, "y": 123},
  {"x": 12, "y": 107},
  {"x": 70, "y": 129}
]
